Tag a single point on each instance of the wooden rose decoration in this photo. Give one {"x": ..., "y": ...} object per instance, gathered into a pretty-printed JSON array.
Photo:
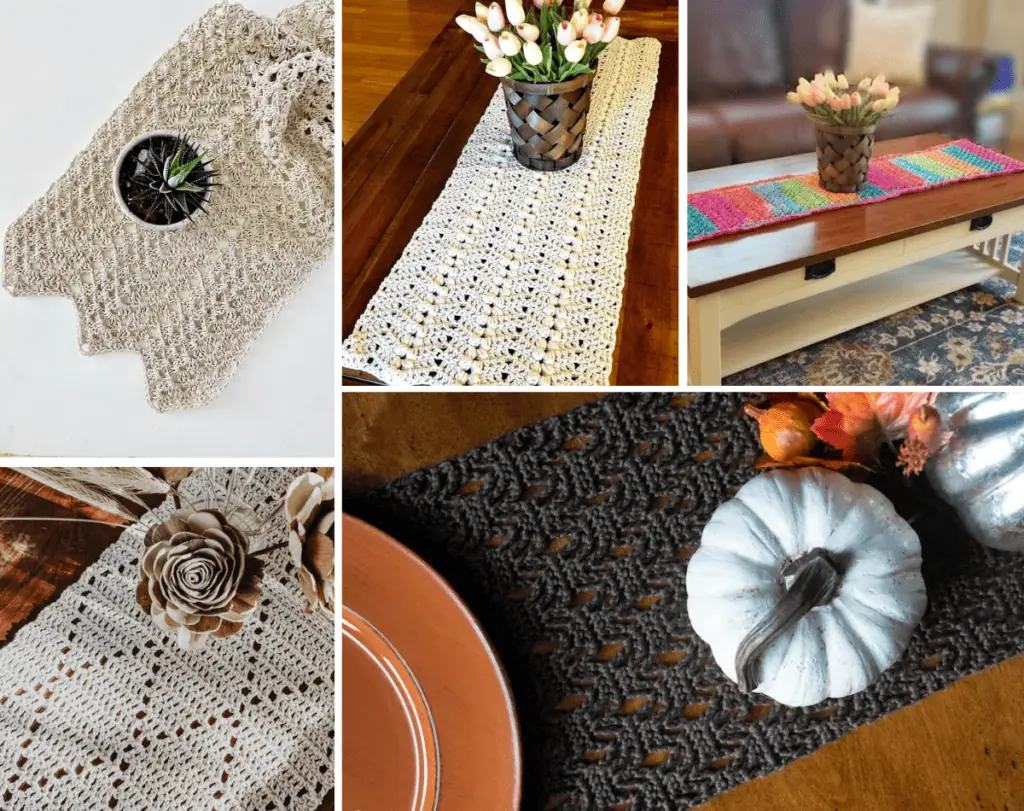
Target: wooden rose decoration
[
  {"x": 309, "y": 508},
  {"x": 198, "y": 577}
]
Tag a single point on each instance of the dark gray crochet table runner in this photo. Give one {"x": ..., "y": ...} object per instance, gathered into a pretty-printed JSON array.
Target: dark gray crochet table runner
[{"x": 569, "y": 539}]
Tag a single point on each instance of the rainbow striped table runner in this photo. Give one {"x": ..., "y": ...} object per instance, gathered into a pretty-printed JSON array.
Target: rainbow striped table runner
[{"x": 732, "y": 209}]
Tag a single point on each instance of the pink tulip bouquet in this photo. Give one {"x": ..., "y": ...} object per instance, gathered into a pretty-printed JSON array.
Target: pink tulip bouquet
[
  {"x": 541, "y": 43},
  {"x": 831, "y": 100}
]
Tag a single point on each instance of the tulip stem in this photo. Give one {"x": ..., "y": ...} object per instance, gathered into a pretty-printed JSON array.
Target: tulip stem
[{"x": 268, "y": 549}]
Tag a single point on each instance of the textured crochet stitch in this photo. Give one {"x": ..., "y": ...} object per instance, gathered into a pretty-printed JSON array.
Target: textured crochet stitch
[
  {"x": 258, "y": 94},
  {"x": 515, "y": 276},
  {"x": 731, "y": 209}
]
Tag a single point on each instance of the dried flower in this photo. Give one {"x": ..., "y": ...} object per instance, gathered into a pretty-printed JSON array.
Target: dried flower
[
  {"x": 197, "y": 577},
  {"x": 309, "y": 509}
]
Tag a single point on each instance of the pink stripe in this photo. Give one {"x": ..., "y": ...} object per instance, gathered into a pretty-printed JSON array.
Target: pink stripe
[
  {"x": 987, "y": 154},
  {"x": 719, "y": 210},
  {"x": 900, "y": 177}
]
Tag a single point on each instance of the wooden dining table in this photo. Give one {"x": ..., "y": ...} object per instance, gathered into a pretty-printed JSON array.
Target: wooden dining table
[
  {"x": 396, "y": 164},
  {"x": 38, "y": 560}
]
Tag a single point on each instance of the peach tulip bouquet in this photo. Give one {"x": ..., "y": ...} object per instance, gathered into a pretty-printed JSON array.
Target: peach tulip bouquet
[
  {"x": 539, "y": 41},
  {"x": 832, "y": 101}
]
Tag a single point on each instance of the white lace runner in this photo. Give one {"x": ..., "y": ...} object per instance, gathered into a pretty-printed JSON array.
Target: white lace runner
[
  {"x": 100, "y": 709},
  {"x": 257, "y": 94},
  {"x": 515, "y": 276}
]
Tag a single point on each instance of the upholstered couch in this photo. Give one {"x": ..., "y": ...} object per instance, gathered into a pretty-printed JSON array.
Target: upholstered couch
[{"x": 745, "y": 54}]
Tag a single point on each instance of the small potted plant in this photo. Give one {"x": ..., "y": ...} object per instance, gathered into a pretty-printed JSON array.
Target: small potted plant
[
  {"x": 845, "y": 118},
  {"x": 546, "y": 60},
  {"x": 162, "y": 180}
]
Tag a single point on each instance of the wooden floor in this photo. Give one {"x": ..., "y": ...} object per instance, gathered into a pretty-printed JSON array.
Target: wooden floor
[
  {"x": 962, "y": 748},
  {"x": 380, "y": 41}
]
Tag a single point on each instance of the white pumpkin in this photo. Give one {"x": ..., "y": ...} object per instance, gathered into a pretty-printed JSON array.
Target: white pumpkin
[{"x": 806, "y": 586}]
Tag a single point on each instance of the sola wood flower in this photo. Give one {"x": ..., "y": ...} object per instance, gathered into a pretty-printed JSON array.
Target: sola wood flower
[
  {"x": 309, "y": 508},
  {"x": 198, "y": 578}
]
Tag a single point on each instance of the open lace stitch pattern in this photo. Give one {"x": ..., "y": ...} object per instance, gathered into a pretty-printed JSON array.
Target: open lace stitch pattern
[
  {"x": 258, "y": 95},
  {"x": 100, "y": 709},
  {"x": 515, "y": 277}
]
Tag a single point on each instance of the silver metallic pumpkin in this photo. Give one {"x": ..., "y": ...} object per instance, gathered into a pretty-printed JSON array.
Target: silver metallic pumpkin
[{"x": 980, "y": 472}]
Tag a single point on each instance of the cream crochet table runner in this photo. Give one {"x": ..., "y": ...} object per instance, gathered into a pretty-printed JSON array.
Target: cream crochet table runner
[
  {"x": 257, "y": 93},
  {"x": 515, "y": 276},
  {"x": 100, "y": 709}
]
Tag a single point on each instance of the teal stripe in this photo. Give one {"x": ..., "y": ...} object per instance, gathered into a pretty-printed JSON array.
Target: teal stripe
[
  {"x": 872, "y": 192},
  {"x": 972, "y": 159},
  {"x": 697, "y": 224},
  {"x": 916, "y": 169},
  {"x": 773, "y": 195}
]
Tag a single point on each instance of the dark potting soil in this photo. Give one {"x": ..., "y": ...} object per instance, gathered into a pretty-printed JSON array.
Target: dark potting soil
[{"x": 139, "y": 172}]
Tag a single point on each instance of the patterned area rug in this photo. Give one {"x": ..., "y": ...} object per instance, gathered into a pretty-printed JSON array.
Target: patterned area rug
[
  {"x": 973, "y": 337},
  {"x": 569, "y": 539}
]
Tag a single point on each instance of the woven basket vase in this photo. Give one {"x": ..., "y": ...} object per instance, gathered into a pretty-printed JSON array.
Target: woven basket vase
[
  {"x": 548, "y": 121},
  {"x": 844, "y": 154}
]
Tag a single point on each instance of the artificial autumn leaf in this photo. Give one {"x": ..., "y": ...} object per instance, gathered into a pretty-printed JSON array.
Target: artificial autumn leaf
[
  {"x": 842, "y": 465},
  {"x": 776, "y": 397},
  {"x": 857, "y": 423}
]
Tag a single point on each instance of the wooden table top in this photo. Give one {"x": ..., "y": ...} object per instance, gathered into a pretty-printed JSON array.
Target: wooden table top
[
  {"x": 961, "y": 748},
  {"x": 729, "y": 261},
  {"x": 39, "y": 560},
  {"x": 397, "y": 163}
]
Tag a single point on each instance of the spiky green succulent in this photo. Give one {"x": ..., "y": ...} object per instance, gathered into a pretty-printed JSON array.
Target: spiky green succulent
[{"x": 174, "y": 178}]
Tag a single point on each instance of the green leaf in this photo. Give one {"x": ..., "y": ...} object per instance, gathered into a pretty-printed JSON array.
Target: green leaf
[{"x": 184, "y": 171}]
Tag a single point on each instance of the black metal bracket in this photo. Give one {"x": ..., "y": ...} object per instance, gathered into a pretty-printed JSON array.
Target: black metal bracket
[
  {"x": 821, "y": 270},
  {"x": 981, "y": 223}
]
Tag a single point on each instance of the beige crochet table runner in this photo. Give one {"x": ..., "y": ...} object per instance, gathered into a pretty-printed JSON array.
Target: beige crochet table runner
[
  {"x": 100, "y": 709},
  {"x": 257, "y": 93},
  {"x": 515, "y": 276}
]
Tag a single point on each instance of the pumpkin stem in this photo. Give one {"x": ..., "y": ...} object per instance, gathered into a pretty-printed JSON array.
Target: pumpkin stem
[{"x": 817, "y": 581}]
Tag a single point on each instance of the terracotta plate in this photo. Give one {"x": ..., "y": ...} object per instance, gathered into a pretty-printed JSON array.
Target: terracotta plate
[{"x": 428, "y": 722}]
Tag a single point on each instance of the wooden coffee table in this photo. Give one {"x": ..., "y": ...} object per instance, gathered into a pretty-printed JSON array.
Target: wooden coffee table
[
  {"x": 755, "y": 296},
  {"x": 397, "y": 163}
]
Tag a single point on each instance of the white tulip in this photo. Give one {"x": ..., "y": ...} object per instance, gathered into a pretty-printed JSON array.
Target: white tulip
[
  {"x": 566, "y": 33},
  {"x": 529, "y": 33},
  {"x": 532, "y": 53},
  {"x": 495, "y": 18},
  {"x": 574, "y": 51},
  {"x": 579, "y": 20},
  {"x": 510, "y": 44},
  {"x": 492, "y": 48},
  {"x": 481, "y": 13},
  {"x": 473, "y": 26},
  {"x": 593, "y": 33},
  {"x": 613, "y": 6},
  {"x": 499, "y": 67},
  {"x": 515, "y": 12},
  {"x": 611, "y": 29}
]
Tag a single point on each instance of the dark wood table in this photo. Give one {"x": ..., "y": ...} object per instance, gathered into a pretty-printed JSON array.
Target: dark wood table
[
  {"x": 38, "y": 560},
  {"x": 754, "y": 296},
  {"x": 397, "y": 163}
]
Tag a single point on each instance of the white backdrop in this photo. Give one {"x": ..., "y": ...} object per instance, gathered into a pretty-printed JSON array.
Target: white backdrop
[{"x": 64, "y": 66}]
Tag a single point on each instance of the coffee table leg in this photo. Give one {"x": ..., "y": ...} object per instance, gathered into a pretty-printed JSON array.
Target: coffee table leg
[{"x": 705, "y": 341}]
